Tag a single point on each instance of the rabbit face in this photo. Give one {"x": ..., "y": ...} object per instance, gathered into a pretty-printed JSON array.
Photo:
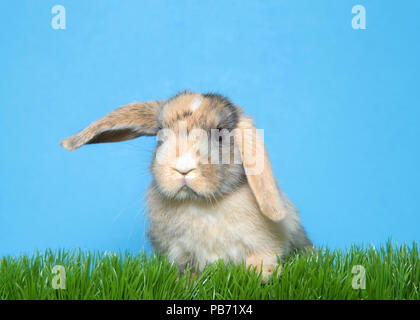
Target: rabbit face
[{"x": 194, "y": 158}]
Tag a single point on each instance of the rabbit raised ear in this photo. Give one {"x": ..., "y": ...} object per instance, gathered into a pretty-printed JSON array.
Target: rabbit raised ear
[
  {"x": 127, "y": 122},
  {"x": 258, "y": 170}
]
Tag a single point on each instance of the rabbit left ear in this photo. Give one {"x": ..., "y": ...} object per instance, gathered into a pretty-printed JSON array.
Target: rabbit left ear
[
  {"x": 258, "y": 170},
  {"x": 127, "y": 122}
]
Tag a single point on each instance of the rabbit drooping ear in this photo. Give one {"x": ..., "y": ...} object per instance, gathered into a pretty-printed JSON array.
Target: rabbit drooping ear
[
  {"x": 127, "y": 122},
  {"x": 258, "y": 170}
]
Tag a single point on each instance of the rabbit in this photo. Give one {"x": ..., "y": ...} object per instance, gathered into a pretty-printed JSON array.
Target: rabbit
[{"x": 200, "y": 211}]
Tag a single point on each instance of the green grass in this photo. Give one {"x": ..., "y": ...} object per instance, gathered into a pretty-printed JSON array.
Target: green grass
[{"x": 392, "y": 272}]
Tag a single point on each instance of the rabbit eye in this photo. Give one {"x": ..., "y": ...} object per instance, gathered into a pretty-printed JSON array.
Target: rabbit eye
[
  {"x": 223, "y": 135},
  {"x": 218, "y": 134}
]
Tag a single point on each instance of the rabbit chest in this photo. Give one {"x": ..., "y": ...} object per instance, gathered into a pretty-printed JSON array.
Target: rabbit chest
[{"x": 198, "y": 233}]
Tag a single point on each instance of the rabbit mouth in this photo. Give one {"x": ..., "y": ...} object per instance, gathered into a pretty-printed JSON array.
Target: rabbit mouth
[
  {"x": 186, "y": 191},
  {"x": 187, "y": 188}
]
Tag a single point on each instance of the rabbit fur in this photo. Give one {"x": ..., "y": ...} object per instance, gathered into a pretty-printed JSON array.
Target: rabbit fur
[{"x": 202, "y": 211}]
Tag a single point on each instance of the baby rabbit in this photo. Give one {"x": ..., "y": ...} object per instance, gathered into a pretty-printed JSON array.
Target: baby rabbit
[{"x": 213, "y": 195}]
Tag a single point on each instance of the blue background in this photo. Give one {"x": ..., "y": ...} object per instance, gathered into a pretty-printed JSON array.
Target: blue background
[{"x": 340, "y": 109}]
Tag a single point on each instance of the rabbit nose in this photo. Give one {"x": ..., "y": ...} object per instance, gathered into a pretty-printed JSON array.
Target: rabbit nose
[{"x": 185, "y": 164}]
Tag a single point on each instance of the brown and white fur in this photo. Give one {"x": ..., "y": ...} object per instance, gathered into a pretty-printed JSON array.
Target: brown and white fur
[{"x": 202, "y": 212}]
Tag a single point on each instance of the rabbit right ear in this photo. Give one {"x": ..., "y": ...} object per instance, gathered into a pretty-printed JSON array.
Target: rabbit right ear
[
  {"x": 258, "y": 170},
  {"x": 127, "y": 122}
]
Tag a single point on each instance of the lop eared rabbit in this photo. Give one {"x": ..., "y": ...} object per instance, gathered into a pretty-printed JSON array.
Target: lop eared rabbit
[{"x": 201, "y": 211}]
